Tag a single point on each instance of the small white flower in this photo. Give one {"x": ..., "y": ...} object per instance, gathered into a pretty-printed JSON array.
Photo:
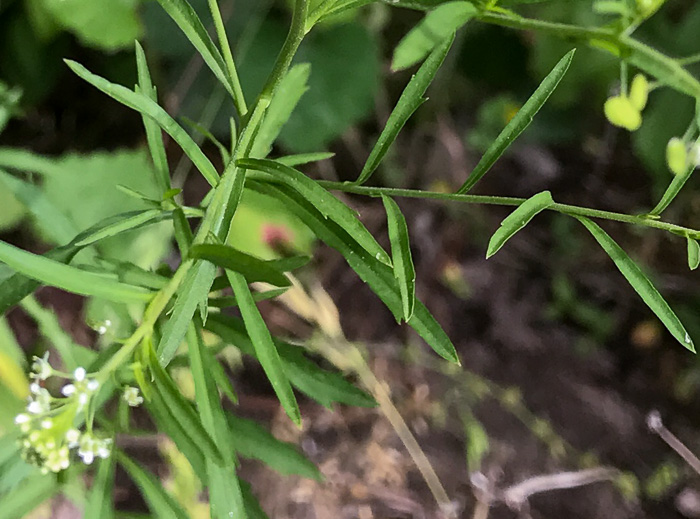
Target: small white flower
[
  {"x": 22, "y": 419},
  {"x": 87, "y": 456},
  {"x": 41, "y": 369},
  {"x": 47, "y": 423},
  {"x": 93, "y": 385},
  {"x": 131, "y": 396},
  {"x": 35, "y": 407},
  {"x": 35, "y": 388},
  {"x": 73, "y": 438},
  {"x": 79, "y": 374},
  {"x": 68, "y": 390}
]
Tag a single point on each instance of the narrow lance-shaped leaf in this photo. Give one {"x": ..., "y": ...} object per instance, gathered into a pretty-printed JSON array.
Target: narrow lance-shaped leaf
[
  {"x": 99, "y": 502},
  {"x": 118, "y": 224},
  {"x": 377, "y": 275},
  {"x": 265, "y": 349},
  {"x": 437, "y": 25},
  {"x": 672, "y": 191},
  {"x": 326, "y": 387},
  {"x": 693, "y": 254},
  {"x": 190, "y": 24},
  {"x": 641, "y": 284},
  {"x": 143, "y": 104},
  {"x": 411, "y": 98},
  {"x": 252, "y": 268},
  {"x": 517, "y": 124},
  {"x": 71, "y": 279},
  {"x": 404, "y": 271},
  {"x": 325, "y": 202},
  {"x": 161, "y": 504},
  {"x": 224, "y": 488},
  {"x": 304, "y": 158},
  {"x": 518, "y": 219},
  {"x": 153, "y": 133},
  {"x": 181, "y": 409}
]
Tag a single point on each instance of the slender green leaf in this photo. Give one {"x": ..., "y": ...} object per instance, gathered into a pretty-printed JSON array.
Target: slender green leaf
[
  {"x": 225, "y": 155},
  {"x": 404, "y": 271},
  {"x": 641, "y": 284},
  {"x": 252, "y": 505},
  {"x": 672, "y": 191},
  {"x": 304, "y": 158},
  {"x": 411, "y": 98},
  {"x": 255, "y": 442},
  {"x": 145, "y": 105},
  {"x": 693, "y": 254},
  {"x": 28, "y": 161},
  {"x": 183, "y": 233},
  {"x": 252, "y": 268},
  {"x": 222, "y": 380},
  {"x": 71, "y": 279},
  {"x": 289, "y": 92},
  {"x": 224, "y": 489},
  {"x": 165, "y": 421},
  {"x": 438, "y": 25},
  {"x": 99, "y": 501},
  {"x": 27, "y": 496},
  {"x": 117, "y": 224},
  {"x": 376, "y": 274},
  {"x": 325, "y": 387},
  {"x": 190, "y": 24},
  {"x": 265, "y": 349},
  {"x": 198, "y": 281},
  {"x": 518, "y": 219},
  {"x": 519, "y": 123},
  {"x": 161, "y": 504},
  {"x": 229, "y": 301},
  {"x": 182, "y": 410},
  {"x": 326, "y": 203}
]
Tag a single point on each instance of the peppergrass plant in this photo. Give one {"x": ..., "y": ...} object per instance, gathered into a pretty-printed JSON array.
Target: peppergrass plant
[{"x": 67, "y": 424}]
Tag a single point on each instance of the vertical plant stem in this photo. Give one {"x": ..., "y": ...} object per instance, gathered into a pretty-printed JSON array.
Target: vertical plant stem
[{"x": 238, "y": 97}]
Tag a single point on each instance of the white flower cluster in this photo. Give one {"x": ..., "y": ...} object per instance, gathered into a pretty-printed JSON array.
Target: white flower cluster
[{"x": 48, "y": 425}]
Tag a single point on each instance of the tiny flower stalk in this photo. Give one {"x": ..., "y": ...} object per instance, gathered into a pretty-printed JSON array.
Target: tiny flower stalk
[{"x": 50, "y": 425}]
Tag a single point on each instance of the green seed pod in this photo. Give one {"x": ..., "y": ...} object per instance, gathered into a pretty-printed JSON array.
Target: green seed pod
[
  {"x": 639, "y": 92},
  {"x": 676, "y": 156},
  {"x": 621, "y": 112}
]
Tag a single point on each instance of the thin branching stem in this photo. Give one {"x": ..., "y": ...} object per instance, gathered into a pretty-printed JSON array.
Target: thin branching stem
[{"x": 571, "y": 210}]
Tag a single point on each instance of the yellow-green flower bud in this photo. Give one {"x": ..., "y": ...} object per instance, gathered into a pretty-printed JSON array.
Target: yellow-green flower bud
[
  {"x": 676, "y": 156},
  {"x": 621, "y": 112},
  {"x": 639, "y": 92}
]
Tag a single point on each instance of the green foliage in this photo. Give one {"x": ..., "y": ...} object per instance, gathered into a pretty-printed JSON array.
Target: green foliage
[{"x": 110, "y": 216}]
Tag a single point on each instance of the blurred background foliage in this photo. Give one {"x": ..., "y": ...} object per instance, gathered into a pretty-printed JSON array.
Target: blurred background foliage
[{"x": 95, "y": 144}]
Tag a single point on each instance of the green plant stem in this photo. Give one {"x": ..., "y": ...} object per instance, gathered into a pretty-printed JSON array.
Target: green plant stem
[
  {"x": 689, "y": 60},
  {"x": 218, "y": 215},
  {"x": 667, "y": 70},
  {"x": 238, "y": 97},
  {"x": 571, "y": 210}
]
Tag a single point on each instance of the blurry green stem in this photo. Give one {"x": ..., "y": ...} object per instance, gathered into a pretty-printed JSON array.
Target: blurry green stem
[
  {"x": 238, "y": 98},
  {"x": 51, "y": 329},
  {"x": 571, "y": 210}
]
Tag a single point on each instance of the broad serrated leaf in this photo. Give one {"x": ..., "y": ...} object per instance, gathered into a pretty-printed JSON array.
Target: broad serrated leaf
[
  {"x": 326, "y": 203},
  {"x": 325, "y": 387},
  {"x": 438, "y": 25},
  {"x": 161, "y": 504},
  {"x": 411, "y": 98},
  {"x": 255, "y": 442},
  {"x": 641, "y": 284},
  {"x": 265, "y": 349},
  {"x": 518, "y": 219},
  {"x": 404, "y": 271},
  {"x": 693, "y": 254},
  {"x": 71, "y": 279},
  {"x": 252, "y": 268},
  {"x": 376, "y": 274},
  {"x": 145, "y": 105},
  {"x": 519, "y": 122}
]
